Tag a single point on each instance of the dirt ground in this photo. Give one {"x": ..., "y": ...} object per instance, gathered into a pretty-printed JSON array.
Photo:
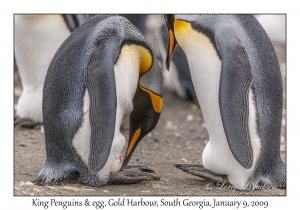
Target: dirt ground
[{"x": 179, "y": 137}]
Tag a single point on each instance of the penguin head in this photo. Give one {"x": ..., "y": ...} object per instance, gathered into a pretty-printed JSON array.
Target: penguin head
[
  {"x": 172, "y": 40},
  {"x": 177, "y": 23},
  {"x": 147, "y": 104}
]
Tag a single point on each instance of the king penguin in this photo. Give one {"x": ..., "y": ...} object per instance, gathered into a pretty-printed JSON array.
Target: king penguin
[
  {"x": 236, "y": 75},
  {"x": 104, "y": 70},
  {"x": 37, "y": 37}
]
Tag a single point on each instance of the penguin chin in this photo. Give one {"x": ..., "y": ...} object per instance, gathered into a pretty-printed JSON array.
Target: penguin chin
[{"x": 117, "y": 163}]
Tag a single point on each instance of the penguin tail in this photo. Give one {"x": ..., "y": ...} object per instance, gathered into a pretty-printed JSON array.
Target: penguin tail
[
  {"x": 279, "y": 176},
  {"x": 50, "y": 176},
  {"x": 273, "y": 179}
]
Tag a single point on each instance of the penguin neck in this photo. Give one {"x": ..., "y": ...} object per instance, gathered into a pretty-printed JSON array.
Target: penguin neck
[
  {"x": 205, "y": 67},
  {"x": 139, "y": 55}
]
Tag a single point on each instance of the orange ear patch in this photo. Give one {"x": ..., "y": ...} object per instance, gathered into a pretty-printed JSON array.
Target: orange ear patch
[
  {"x": 180, "y": 25},
  {"x": 139, "y": 55},
  {"x": 156, "y": 100},
  {"x": 145, "y": 59}
]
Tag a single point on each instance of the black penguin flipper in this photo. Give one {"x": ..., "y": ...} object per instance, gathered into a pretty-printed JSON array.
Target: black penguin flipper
[
  {"x": 100, "y": 83},
  {"x": 235, "y": 82}
]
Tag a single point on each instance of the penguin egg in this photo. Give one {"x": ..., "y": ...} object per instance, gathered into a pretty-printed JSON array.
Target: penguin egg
[{"x": 117, "y": 163}]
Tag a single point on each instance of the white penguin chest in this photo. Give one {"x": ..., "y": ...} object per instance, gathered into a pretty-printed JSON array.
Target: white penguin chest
[{"x": 205, "y": 67}]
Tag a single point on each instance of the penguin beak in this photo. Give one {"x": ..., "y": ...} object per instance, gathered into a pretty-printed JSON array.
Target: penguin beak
[
  {"x": 143, "y": 118},
  {"x": 172, "y": 46},
  {"x": 134, "y": 139},
  {"x": 172, "y": 40}
]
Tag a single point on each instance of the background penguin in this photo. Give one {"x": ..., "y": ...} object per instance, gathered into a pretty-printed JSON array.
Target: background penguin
[
  {"x": 237, "y": 79},
  {"x": 37, "y": 37},
  {"x": 178, "y": 79},
  {"x": 275, "y": 26},
  {"x": 104, "y": 70}
]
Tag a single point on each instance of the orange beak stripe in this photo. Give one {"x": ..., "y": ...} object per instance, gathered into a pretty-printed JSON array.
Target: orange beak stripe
[
  {"x": 172, "y": 42},
  {"x": 133, "y": 141}
]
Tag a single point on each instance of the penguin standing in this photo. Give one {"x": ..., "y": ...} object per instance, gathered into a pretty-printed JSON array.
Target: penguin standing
[
  {"x": 37, "y": 37},
  {"x": 238, "y": 84},
  {"x": 104, "y": 70}
]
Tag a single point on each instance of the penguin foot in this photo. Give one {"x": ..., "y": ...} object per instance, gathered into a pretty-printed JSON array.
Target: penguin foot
[
  {"x": 133, "y": 174},
  {"x": 25, "y": 123},
  {"x": 141, "y": 168},
  {"x": 199, "y": 170}
]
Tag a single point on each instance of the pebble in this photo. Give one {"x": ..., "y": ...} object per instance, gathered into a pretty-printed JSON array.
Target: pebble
[
  {"x": 177, "y": 135},
  {"x": 24, "y": 184},
  {"x": 184, "y": 160},
  {"x": 27, "y": 184},
  {"x": 70, "y": 188},
  {"x": 52, "y": 188},
  {"x": 170, "y": 126},
  {"x": 189, "y": 118},
  {"x": 36, "y": 190}
]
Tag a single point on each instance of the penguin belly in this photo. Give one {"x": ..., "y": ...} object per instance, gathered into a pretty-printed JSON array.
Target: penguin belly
[
  {"x": 205, "y": 67},
  {"x": 35, "y": 45},
  {"x": 126, "y": 79}
]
